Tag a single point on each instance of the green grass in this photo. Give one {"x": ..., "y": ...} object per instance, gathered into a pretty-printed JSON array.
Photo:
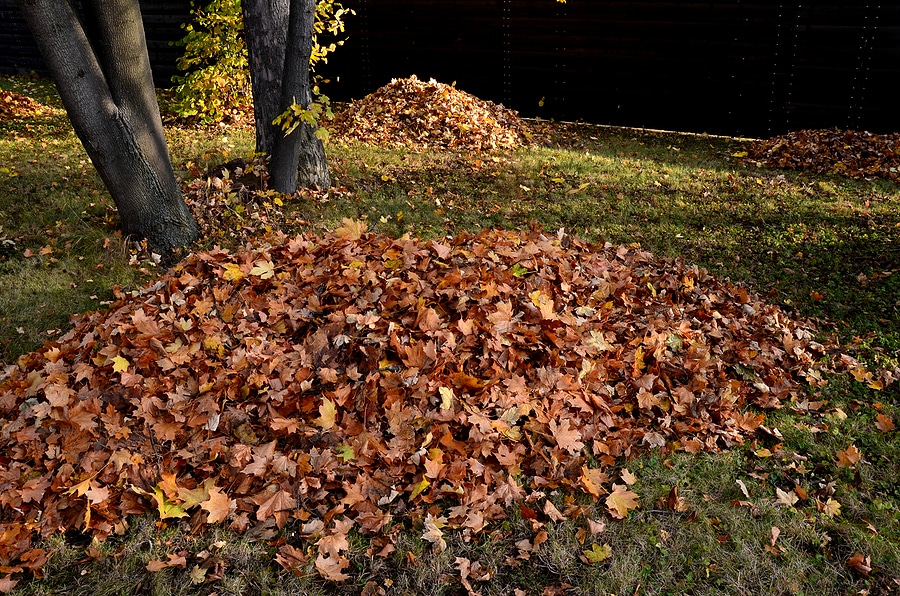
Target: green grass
[{"x": 822, "y": 247}]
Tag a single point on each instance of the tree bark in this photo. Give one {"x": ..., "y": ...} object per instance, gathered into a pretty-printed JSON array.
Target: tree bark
[
  {"x": 279, "y": 42},
  {"x": 106, "y": 86},
  {"x": 265, "y": 31}
]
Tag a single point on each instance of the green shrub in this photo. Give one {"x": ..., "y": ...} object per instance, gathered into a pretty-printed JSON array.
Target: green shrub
[{"x": 216, "y": 83}]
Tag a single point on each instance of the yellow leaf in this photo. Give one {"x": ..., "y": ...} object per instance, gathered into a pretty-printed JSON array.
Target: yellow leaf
[
  {"x": 831, "y": 508},
  {"x": 264, "y": 269},
  {"x": 621, "y": 501},
  {"x": 598, "y": 553},
  {"x": 543, "y": 302},
  {"x": 327, "y": 413},
  {"x": 740, "y": 154},
  {"x": 120, "y": 364},
  {"x": 352, "y": 229},
  {"x": 418, "y": 488},
  {"x": 166, "y": 508},
  {"x": 446, "y": 397},
  {"x": 232, "y": 272}
]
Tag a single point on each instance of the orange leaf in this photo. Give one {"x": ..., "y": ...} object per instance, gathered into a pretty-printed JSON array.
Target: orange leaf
[{"x": 849, "y": 457}]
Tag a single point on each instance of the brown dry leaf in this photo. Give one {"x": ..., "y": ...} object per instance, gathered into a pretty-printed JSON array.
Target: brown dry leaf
[
  {"x": 332, "y": 567},
  {"x": 567, "y": 438},
  {"x": 884, "y": 423},
  {"x": 174, "y": 561},
  {"x": 7, "y": 583},
  {"x": 860, "y": 564},
  {"x": 291, "y": 558}
]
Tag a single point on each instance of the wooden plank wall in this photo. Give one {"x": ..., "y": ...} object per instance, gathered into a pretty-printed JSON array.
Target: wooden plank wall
[
  {"x": 162, "y": 24},
  {"x": 736, "y": 67}
]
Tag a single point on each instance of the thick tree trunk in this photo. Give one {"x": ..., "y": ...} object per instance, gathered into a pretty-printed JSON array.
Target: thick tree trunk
[
  {"x": 265, "y": 31},
  {"x": 279, "y": 42},
  {"x": 107, "y": 89}
]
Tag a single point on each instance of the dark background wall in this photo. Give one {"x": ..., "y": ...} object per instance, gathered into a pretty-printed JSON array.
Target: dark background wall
[
  {"x": 740, "y": 68},
  {"x": 721, "y": 67},
  {"x": 162, "y": 24}
]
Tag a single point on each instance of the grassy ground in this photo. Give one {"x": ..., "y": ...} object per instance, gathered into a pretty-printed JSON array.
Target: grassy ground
[{"x": 822, "y": 247}]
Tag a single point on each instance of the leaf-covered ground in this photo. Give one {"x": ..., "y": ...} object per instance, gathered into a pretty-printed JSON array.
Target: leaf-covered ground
[
  {"x": 349, "y": 379},
  {"x": 857, "y": 154},
  {"x": 412, "y": 113}
]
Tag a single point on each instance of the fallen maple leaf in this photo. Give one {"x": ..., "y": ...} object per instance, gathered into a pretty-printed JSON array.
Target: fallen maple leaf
[
  {"x": 332, "y": 567},
  {"x": 786, "y": 499},
  {"x": 567, "y": 438},
  {"x": 351, "y": 229},
  {"x": 849, "y": 457},
  {"x": 597, "y": 553},
  {"x": 861, "y": 564},
  {"x": 218, "y": 506},
  {"x": 621, "y": 501},
  {"x": 433, "y": 533},
  {"x": 884, "y": 423},
  {"x": 175, "y": 560},
  {"x": 327, "y": 413},
  {"x": 7, "y": 583}
]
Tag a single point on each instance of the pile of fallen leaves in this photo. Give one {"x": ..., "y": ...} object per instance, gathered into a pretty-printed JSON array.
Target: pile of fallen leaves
[
  {"x": 350, "y": 380},
  {"x": 14, "y": 106},
  {"x": 851, "y": 153},
  {"x": 416, "y": 114}
]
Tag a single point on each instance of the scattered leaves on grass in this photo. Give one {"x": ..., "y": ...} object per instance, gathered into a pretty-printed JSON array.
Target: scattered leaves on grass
[
  {"x": 857, "y": 154},
  {"x": 244, "y": 396},
  {"x": 413, "y": 113}
]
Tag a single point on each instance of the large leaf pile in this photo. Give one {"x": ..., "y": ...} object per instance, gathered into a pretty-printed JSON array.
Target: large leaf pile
[
  {"x": 352, "y": 379},
  {"x": 15, "y": 106},
  {"x": 852, "y": 153},
  {"x": 416, "y": 114}
]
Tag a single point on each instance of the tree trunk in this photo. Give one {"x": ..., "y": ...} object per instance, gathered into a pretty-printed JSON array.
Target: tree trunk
[
  {"x": 265, "y": 31},
  {"x": 106, "y": 86},
  {"x": 279, "y": 42}
]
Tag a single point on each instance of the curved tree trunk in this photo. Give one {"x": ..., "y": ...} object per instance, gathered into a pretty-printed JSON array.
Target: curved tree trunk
[
  {"x": 106, "y": 86},
  {"x": 279, "y": 42}
]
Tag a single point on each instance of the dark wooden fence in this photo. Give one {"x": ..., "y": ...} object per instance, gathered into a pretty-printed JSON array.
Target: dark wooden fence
[
  {"x": 162, "y": 23},
  {"x": 746, "y": 68},
  {"x": 721, "y": 67}
]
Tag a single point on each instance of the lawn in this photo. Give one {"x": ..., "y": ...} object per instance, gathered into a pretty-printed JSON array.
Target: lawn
[{"x": 808, "y": 505}]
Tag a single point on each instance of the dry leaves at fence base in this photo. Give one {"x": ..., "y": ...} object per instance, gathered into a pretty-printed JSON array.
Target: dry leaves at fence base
[
  {"x": 857, "y": 154},
  {"x": 350, "y": 378}
]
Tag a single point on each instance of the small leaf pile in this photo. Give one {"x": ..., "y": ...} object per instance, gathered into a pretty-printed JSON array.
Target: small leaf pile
[
  {"x": 14, "y": 106},
  {"x": 850, "y": 153},
  {"x": 354, "y": 379},
  {"x": 416, "y": 114}
]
